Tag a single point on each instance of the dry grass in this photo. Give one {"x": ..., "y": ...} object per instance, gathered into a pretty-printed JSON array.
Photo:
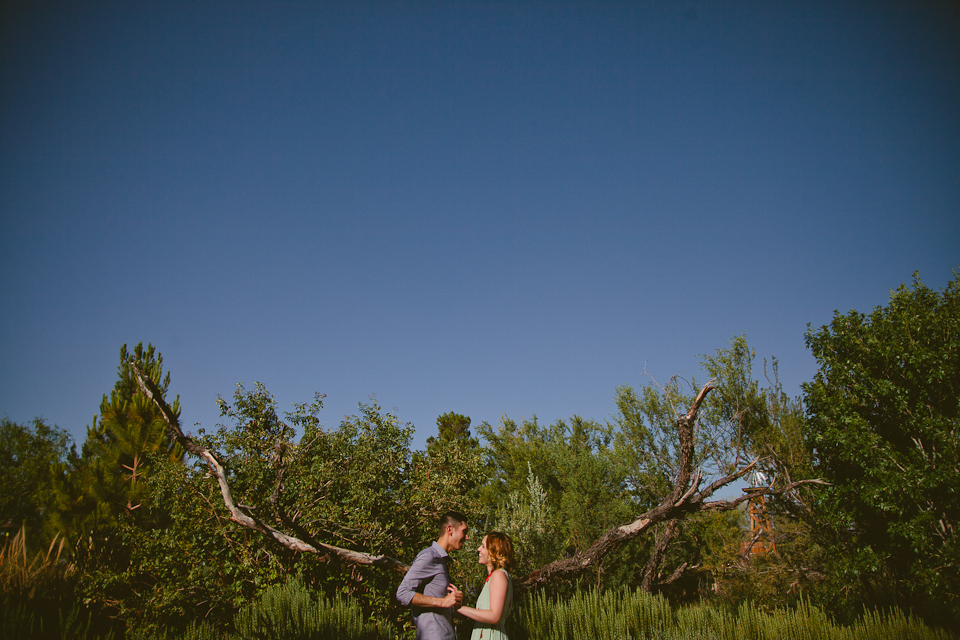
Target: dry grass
[{"x": 46, "y": 573}]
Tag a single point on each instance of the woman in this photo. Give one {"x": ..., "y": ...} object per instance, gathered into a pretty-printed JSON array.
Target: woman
[{"x": 496, "y": 599}]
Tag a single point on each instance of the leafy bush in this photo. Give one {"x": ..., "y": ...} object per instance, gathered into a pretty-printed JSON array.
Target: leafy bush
[
  {"x": 636, "y": 615},
  {"x": 286, "y": 612}
]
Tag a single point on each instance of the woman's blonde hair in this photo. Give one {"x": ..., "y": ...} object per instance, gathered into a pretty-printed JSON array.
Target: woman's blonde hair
[{"x": 500, "y": 550}]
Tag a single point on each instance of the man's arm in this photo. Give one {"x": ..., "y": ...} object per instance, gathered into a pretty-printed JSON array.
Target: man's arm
[
  {"x": 418, "y": 573},
  {"x": 423, "y": 570},
  {"x": 453, "y": 598}
]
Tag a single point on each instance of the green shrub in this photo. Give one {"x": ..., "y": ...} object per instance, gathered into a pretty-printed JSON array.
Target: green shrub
[
  {"x": 626, "y": 615},
  {"x": 290, "y": 612},
  {"x": 612, "y": 615},
  {"x": 287, "y": 612}
]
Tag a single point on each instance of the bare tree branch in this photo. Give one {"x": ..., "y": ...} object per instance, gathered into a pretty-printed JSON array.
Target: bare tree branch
[
  {"x": 678, "y": 573},
  {"x": 656, "y": 558},
  {"x": 682, "y": 501},
  {"x": 149, "y": 388}
]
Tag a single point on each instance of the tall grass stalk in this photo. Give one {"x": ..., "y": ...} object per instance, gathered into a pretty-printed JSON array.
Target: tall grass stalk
[
  {"x": 37, "y": 597},
  {"x": 43, "y": 574}
]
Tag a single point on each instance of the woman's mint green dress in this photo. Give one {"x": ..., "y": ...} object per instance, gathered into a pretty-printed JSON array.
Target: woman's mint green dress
[{"x": 497, "y": 631}]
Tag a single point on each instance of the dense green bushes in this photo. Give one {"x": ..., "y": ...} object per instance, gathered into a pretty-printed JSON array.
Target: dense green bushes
[{"x": 285, "y": 612}]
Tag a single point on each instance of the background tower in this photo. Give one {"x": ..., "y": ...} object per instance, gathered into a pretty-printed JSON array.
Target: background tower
[{"x": 760, "y": 541}]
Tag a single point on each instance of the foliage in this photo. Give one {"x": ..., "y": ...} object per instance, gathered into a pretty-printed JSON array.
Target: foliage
[
  {"x": 609, "y": 615},
  {"x": 44, "y": 574},
  {"x": 44, "y": 619},
  {"x": 526, "y": 516},
  {"x": 28, "y": 453},
  {"x": 709, "y": 543},
  {"x": 288, "y": 611},
  {"x": 452, "y": 428},
  {"x": 182, "y": 558},
  {"x": 192, "y": 562},
  {"x": 100, "y": 500},
  {"x": 361, "y": 487},
  {"x": 621, "y": 613},
  {"x": 884, "y": 421},
  {"x": 773, "y": 580},
  {"x": 92, "y": 493},
  {"x": 739, "y": 422},
  {"x": 752, "y": 420},
  {"x": 358, "y": 486},
  {"x": 150, "y": 540},
  {"x": 575, "y": 469}
]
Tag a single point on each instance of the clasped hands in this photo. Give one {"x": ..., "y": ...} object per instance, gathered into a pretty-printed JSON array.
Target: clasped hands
[{"x": 454, "y": 597}]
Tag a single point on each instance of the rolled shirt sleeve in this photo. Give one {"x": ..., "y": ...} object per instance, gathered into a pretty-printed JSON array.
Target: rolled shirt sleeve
[{"x": 420, "y": 572}]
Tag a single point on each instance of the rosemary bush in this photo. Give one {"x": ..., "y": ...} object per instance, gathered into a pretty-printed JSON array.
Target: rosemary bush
[
  {"x": 289, "y": 612},
  {"x": 618, "y": 614},
  {"x": 626, "y": 615}
]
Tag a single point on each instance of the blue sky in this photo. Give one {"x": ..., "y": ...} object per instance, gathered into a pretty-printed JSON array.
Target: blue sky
[{"x": 491, "y": 208}]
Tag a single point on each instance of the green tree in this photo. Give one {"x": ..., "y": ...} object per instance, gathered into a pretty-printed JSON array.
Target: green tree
[
  {"x": 332, "y": 492},
  {"x": 555, "y": 489},
  {"x": 884, "y": 426},
  {"x": 94, "y": 491},
  {"x": 452, "y": 427},
  {"x": 742, "y": 421},
  {"x": 455, "y": 451},
  {"x": 526, "y": 516},
  {"x": 28, "y": 456}
]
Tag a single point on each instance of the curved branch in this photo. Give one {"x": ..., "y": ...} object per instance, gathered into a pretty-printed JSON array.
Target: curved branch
[
  {"x": 677, "y": 504},
  {"x": 656, "y": 557},
  {"x": 150, "y": 390},
  {"x": 726, "y": 505},
  {"x": 683, "y": 500}
]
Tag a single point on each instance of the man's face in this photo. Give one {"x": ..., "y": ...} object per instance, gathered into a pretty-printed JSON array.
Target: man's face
[{"x": 458, "y": 535}]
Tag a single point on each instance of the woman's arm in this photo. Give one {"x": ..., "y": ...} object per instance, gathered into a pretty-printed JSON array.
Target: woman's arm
[{"x": 498, "y": 594}]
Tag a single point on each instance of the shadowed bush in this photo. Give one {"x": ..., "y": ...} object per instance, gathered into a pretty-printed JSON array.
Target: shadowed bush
[{"x": 38, "y": 597}]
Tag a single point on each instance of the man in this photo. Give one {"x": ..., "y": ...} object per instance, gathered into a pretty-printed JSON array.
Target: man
[{"x": 426, "y": 588}]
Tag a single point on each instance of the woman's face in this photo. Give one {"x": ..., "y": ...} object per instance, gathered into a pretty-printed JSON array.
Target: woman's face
[{"x": 483, "y": 556}]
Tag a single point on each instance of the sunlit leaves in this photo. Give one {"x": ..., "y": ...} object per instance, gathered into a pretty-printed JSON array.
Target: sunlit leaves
[{"x": 884, "y": 412}]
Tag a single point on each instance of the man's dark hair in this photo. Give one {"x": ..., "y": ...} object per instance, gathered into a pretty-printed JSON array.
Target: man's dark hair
[{"x": 454, "y": 518}]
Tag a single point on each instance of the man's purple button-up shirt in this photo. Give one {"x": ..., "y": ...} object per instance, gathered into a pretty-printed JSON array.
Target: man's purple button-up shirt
[{"x": 429, "y": 575}]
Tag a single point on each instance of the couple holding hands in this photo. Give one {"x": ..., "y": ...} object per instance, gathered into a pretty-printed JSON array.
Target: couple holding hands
[{"x": 427, "y": 590}]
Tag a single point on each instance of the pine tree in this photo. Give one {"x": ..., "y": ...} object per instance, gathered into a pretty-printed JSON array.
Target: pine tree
[{"x": 92, "y": 491}]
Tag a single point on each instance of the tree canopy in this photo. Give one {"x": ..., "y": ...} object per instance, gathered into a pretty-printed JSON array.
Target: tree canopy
[
  {"x": 28, "y": 455},
  {"x": 884, "y": 429}
]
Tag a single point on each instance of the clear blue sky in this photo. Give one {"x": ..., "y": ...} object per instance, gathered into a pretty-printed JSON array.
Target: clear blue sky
[{"x": 489, "y": 208}]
